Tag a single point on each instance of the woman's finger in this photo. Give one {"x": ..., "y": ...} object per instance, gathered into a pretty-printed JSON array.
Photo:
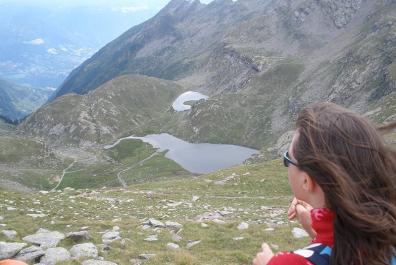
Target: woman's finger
[
  {"x": 305, "y": 204},
  {"x": 291, "y": 213}
]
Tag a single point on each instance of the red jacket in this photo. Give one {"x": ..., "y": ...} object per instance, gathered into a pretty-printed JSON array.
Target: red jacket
[{"x": 322, "y": 223}]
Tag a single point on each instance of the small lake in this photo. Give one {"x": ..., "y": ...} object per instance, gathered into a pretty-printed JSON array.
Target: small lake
[
  {"x": 198, "y": 158},
  {"x": 178, "y": 104}
]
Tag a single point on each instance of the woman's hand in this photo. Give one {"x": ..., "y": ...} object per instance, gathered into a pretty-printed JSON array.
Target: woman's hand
[
  {"x": 302, "y": 211},
  {"x": 263, "y": 257}
]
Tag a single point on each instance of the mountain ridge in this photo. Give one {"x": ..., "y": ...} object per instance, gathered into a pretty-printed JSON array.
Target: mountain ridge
[
  {"x": 118, "y": 106},
  {"x": 260, "y": 64}
]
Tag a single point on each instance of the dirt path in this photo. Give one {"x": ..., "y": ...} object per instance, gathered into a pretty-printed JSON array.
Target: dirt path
[
  {"x": 119, "y": 176},
  {"x": 65, "y": 171}
]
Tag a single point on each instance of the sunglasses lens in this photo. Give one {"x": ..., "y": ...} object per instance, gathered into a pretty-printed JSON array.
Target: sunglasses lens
[{"x": 286, "y": 162}]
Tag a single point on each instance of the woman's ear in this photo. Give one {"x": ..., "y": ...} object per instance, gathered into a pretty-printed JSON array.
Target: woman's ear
[{"x": 308, "y": 184}]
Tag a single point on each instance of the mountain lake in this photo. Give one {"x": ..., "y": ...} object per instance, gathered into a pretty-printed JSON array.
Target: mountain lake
[{"x": 197, "y": 158}]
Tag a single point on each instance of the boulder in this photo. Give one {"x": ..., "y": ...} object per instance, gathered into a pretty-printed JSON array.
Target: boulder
[
  {"x": 78, "y": 236},
  {"x": 9, "y": 250},
  {"x": 173, "y": 225},
  {"x": 45, "y": 239},
  {"x": 172, "y": 246},
  {"x": 30, "y": 254},
  {"x": 54, "y": 255},
  {"x": 110, "y": 236},
  {"x": 155, "y": 223},
  {"x": 84, "y": 250}
]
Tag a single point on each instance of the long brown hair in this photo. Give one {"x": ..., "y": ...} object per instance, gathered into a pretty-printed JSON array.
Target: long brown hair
[{"x": 349, "y": 159}]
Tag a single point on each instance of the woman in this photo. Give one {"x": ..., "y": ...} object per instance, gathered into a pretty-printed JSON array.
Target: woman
[{"x": 340, "y": 165}]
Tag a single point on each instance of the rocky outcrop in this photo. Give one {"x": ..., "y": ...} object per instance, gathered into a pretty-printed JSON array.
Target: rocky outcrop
[{"x": 340, "y": 11}]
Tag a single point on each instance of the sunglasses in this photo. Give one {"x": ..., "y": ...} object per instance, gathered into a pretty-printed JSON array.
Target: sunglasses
[{"x": 287, "y": 160}]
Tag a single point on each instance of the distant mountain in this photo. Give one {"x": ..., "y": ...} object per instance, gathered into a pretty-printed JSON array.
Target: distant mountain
[
  {"x": 41, "y": 45},
  {"x": 260, "y": 61},
  {"x": 17, "y": 101},
  {"x": 7, "y": 109}
]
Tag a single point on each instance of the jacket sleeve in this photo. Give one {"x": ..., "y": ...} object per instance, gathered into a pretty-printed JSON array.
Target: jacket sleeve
[{"x": 287, "y": 258}]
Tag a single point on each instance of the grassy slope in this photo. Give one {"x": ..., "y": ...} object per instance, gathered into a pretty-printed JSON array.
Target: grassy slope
[
  {"x": 125, "y": 158},
  {"x": 118, "y": 107},
  {"x": 258, "y": 194},
  {"x": 27, "y": 161}
]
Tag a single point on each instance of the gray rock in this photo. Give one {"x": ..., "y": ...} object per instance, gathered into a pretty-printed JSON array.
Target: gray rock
[
  {"x": 173, "y": 225},
  {"x": 243, "y": 226},
  {"x": 155, "y": 223},
  {"x": 30, "y": 254},
  {"x": 9, "y": 250},
  {"x": 146, "y": 256},
  {"x": 193, "y": 243},
  {"x": 208, "y": 216},
  {"x": 78, "y": 236},
  {"x": 10, "y": 234},
  {"x": 218, "y": 221},
  {"x": 97, "y": 262},
  {"x": 84, "y": 250},
  {"x": 45, "y": 239},
  {"x": 151, "y": 238},
  {"x": 176, "y": 237},
  {"x": 110, "y": 236},
  {"x": 55, "y": 255},
  {"x": 173, "y": 246},
  {"x": 299, "y": 233}
]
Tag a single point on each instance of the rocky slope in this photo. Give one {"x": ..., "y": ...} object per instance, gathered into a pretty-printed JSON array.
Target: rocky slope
[
  {"x": 117, "y": 107},
  {"x": 259, "y": 61},
  {"x": 177, "y": 44}
]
